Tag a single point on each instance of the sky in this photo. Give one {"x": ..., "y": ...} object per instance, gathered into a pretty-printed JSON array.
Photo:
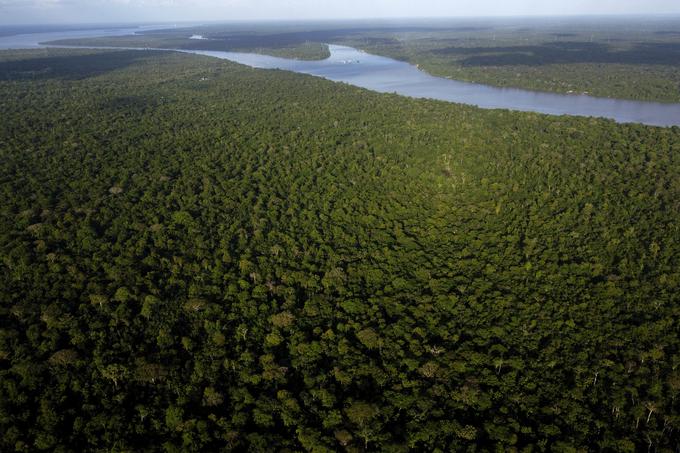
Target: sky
[{"x": 103, "y": 11}]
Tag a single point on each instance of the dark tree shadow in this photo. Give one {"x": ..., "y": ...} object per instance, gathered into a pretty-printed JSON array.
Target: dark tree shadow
[
  {"x": 667, "y": 33},
  {"x": 69, "y": 67},
  {"x": 138, "y": 105},
  {"x": 566, "y": 53}
]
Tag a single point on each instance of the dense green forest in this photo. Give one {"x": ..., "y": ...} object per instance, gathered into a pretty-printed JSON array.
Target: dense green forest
[
  {"x": 269, "y": 44},
  {"x": 200, "y": 256},
  {"x": 631, "y": 58}
]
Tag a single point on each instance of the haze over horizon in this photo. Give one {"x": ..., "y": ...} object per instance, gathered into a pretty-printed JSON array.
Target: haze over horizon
[{"x": 14, "y": 12}]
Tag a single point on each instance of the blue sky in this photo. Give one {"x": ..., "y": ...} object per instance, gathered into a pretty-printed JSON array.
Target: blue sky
[{"x": 69, "y": 11}]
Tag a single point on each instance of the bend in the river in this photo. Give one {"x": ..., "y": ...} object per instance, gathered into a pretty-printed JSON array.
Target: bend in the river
[{"x": 386, "y": 75}]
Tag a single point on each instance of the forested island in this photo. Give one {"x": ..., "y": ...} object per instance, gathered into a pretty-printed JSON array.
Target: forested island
[
  {"x": 201, "y": 256},
  {"x": 286, "y": 45}
]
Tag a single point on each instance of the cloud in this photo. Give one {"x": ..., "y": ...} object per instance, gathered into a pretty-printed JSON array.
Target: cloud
[
  {"x": 36, "y": 11},
  {"x": 30, "y": 3}
]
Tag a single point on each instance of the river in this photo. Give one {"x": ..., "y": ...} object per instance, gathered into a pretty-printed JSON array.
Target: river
[{"x": 386, "y": 75}]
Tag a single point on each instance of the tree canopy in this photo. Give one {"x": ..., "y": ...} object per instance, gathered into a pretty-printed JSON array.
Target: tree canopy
[{"x": 200, "y": 256}]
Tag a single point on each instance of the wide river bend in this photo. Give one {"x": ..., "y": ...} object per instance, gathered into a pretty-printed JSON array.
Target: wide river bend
[{"x": 386, "y": 75}]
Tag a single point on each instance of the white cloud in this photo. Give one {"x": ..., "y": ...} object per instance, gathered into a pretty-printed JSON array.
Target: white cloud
[{"x": 34, "y": 11}]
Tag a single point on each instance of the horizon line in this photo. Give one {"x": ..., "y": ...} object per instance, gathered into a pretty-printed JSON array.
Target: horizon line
[{"x": 345, "y": 19}]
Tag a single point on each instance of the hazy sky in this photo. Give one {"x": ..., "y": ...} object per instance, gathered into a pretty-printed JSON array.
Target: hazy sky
[{"x": 48, "y": 11}]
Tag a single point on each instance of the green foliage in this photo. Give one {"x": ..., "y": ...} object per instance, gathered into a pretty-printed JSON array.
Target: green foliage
[{"x": 292, "y": 264}]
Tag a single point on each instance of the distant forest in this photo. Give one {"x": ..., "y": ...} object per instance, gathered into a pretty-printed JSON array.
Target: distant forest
[{"x": 632, "y": 58}]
